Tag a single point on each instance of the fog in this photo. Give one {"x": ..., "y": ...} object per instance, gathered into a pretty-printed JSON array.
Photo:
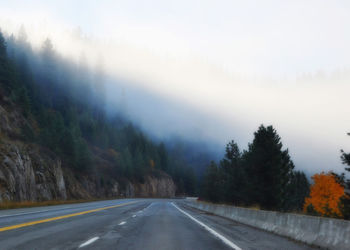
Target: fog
[{"x": 212, "y": 71}]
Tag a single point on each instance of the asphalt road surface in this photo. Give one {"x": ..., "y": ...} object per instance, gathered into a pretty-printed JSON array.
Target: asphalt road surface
[{"x": 146, "y": 224}]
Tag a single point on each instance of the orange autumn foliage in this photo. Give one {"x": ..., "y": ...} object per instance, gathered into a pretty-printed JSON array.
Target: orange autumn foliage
[{"x": 325, "y": 195}]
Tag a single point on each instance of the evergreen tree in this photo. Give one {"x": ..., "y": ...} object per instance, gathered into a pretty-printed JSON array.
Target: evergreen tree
[
  {"x": 84, "y": 158},
  {"x": 3, "y": 54},
  {"x": 163, "y": 157},
  {"x": 139, "y": 165},
  {"x": 7, "y": 73},
  {"x": 189, "y": 181},
  {"x": 126, "y": 162},
  {"x": 345, "y": 157},
  {"x": 298, "y": 189},
  {"x": 212, "y": 184},
  {"x": 24, "y": 101},
  {"x": 233, "y": 175},
  {"x": 269, "y": 169}
]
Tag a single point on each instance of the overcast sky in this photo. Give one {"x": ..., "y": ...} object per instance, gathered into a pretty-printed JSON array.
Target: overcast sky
[{"x": 221, "y": 68}]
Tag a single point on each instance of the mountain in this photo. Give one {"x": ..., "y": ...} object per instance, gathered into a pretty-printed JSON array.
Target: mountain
[{"x": 57, "y": 142}]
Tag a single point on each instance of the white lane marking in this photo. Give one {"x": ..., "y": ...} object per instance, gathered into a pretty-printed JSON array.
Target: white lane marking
[
  {"x": 92, "y": 240},
  {"x": 147, "y": 206},
  {"x": 141, "y": 211},
  {"x": 134, "y": 216},
  {"x": 122, "y": 223},
  {"x": 212, "y": 231}
]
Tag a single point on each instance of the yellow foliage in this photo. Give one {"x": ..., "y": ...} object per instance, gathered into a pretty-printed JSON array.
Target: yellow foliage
[
  {"x": 325, "y": 195},
  {"x": 151, "y": 163}
]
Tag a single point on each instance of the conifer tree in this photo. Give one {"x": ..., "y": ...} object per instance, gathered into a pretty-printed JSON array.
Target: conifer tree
[{"x": 269, "y": 169}]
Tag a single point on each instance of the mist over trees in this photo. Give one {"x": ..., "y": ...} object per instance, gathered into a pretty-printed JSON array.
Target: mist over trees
[
  {"x": 63, "y": 103},
  {"x": 263, "y": 175}
]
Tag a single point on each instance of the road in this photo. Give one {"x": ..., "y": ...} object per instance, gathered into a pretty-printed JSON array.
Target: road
[{"x": 130, "y": 224}]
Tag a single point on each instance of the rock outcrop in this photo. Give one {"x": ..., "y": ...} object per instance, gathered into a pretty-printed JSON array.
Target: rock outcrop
[
  {"x": 162, "y": 186},
  {"x": 29, "y": 172}
]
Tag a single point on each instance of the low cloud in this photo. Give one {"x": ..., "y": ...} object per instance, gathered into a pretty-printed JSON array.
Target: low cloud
[{"x": 214, "y": 89}]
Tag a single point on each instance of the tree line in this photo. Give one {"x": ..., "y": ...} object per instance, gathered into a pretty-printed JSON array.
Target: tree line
[
  {"x": 63, "y": 103},
  {"x": 262, "y": 176}
]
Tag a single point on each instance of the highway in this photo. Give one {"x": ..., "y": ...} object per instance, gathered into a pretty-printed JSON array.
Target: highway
[{"x": 130, "y": 224}]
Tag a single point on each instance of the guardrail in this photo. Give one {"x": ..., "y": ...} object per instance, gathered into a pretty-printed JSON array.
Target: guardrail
[{"x": 318, "y": 231}]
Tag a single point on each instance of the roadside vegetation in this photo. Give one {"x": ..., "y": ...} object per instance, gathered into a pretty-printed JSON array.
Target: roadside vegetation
[
  {"x": 263, "y": 177},
  {"x": 327, "y": 196}
]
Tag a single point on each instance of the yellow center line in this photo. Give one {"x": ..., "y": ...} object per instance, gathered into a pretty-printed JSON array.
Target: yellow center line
[{"x": 26, "y": 224}]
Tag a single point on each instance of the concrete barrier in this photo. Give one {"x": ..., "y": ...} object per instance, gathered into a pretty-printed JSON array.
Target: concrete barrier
[{"x": 318, "y": 231}]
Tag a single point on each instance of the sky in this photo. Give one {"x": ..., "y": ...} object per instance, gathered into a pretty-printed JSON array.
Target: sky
[{"x": 213, "y": 70}]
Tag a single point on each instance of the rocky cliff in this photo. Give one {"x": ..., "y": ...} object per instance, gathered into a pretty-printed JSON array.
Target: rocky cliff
[
  {"x": 29, "y": 172},
  {"x": 161, "y": 186}
]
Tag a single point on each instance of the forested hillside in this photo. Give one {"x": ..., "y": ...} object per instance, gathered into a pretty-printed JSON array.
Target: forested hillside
[{"x": 62, "y": 108}]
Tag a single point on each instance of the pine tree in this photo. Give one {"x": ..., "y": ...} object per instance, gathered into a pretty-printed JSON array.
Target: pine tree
[
  {"x": 211, "y": 184},
  {"x": 298, "y": 189},
  {"x": 345, "y": 157},
  {"x": 233, "y": 175},
  {"x": 269, "y": 169},
  {"x": 2, "y": 46},
  {"x": 83, "y": 158},
  {"x": 7, "y": 74},
  {"x": 163, "y": 157},
  {"x": 126, "y": 162}
]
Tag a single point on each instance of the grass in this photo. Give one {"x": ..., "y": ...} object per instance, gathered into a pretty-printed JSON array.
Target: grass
[{"x": 25, "y": 204}]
